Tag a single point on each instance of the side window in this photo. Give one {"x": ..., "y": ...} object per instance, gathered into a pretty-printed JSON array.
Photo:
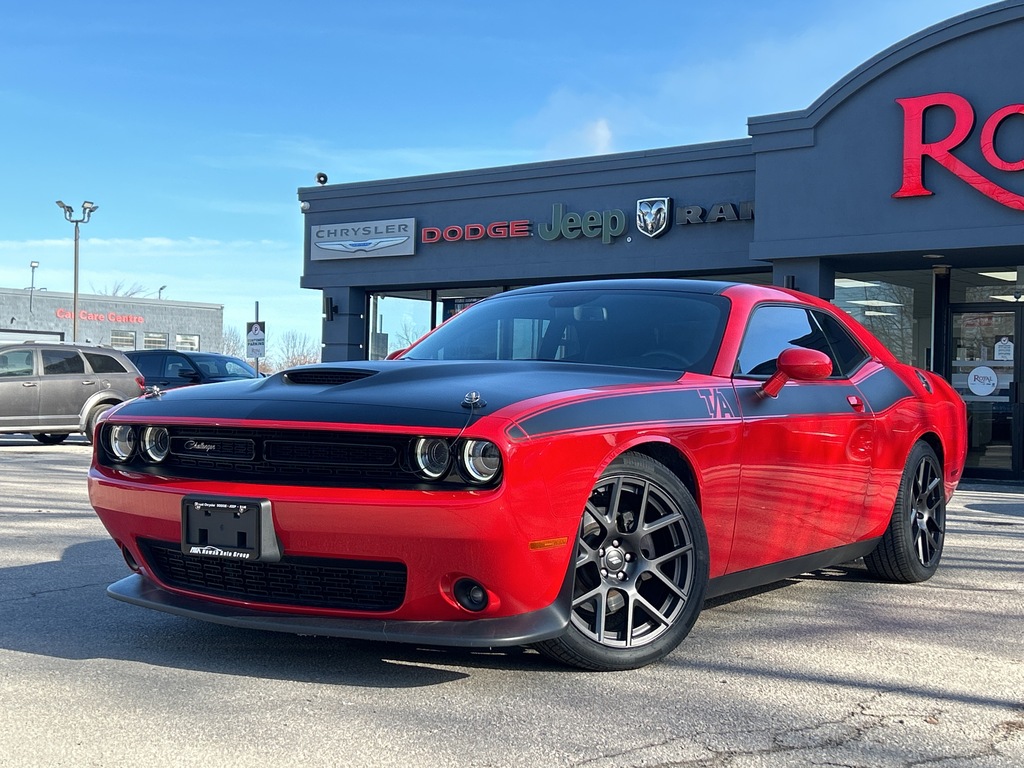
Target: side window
[
  {"x": 101, "y": 363},
  {"x": 150, "y": 366},
  {"x": 847, "y": 353},
  {"x": 774, "y": 328},
  {"x": 62, "y": 361},
  {"x": 174, "y": 365},
  {"x": 17, "y": 362}
]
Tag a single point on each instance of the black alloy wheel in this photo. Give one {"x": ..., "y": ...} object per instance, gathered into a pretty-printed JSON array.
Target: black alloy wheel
[
  {"x": 641, "y": 569},
  {"x": 911, "y": 548}
]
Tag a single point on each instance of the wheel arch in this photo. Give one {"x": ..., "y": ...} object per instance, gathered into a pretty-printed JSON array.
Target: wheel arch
[
  {"x": 673, "y": 459},
  {"x": 106, "y": 397},
  {"x": 935, "y": 442}
]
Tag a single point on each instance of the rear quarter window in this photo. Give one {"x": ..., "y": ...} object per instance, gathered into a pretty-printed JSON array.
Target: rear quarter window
[{"x": 101, "y": 363}]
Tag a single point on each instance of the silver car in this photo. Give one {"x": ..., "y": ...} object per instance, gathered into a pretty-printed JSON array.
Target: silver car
[{"x": 51, "y": 389}]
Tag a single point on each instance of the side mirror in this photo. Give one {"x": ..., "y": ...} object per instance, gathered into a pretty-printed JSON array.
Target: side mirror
[
  {"x": 188, "y": 373},
  {"x": 799, "y": 364}
]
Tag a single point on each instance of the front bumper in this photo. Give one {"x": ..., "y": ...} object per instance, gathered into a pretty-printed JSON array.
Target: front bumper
[{"x": 520, "y": 629}]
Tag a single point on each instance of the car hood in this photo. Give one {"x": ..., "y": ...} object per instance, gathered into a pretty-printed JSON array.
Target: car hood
[{"x": 391, "y": 392}]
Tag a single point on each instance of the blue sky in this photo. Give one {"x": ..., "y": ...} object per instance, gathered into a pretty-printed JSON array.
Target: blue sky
[{"x": 192, "y": 124}]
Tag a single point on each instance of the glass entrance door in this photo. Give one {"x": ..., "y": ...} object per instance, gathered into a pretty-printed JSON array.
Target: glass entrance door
[{"x": 985, "y": 371}]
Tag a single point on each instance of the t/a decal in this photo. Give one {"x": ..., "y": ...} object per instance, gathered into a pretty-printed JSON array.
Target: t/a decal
[{"x": 718, "y": 405}]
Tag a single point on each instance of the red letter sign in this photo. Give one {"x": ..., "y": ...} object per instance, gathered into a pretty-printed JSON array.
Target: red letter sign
[{"x": 915, "y": 148}]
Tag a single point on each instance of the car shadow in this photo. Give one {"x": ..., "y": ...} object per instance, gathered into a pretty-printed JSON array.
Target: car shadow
[{"x": 61, "y": 609}]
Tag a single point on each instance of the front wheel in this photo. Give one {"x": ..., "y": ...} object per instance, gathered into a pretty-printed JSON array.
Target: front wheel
[
  {"x": 92, "y": 418},
  {"x": 911, "y": 547},
  {"x": 641, "y": 569}
]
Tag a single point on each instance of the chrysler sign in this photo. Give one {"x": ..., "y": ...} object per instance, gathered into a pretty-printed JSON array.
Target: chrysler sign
[{"x": 362, "y": 239}]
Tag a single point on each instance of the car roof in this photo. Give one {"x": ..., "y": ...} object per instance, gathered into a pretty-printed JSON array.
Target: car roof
[
  {"x": 185, "y": 352},
  {"x": 710, "y": 287}
]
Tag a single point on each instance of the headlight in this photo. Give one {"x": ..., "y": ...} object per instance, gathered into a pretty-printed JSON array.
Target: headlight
[
  {"x": 480, "y": 460},
  {"x": 156, "y": 443},
  {"x": 121, "y": 441},
  {"x": 432, "y": 457}
]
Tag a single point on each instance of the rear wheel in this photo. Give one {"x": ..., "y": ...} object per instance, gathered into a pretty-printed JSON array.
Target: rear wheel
[
  {"x": 911, "y": 547},
  {"x": 641, "y": 569},
  {"x": 50, "y": 438}
]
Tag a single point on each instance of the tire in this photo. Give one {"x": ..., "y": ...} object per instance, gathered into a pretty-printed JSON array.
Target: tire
[
  {"x": 641, "y": 570},
  {"x": 93, "y": 417},
  {"x": 50, "y": 438},
  {"x": 911, "y": 547}
]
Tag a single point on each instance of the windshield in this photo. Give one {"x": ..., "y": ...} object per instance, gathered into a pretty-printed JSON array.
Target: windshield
[
  {"x": 630, "y": 328},
  {"x": 220, "y": 367}
]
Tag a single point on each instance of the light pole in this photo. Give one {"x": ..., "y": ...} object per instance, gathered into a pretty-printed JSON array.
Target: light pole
[
  {"x": 32, "y": 288},
  {"x": 88, "y": 209}
]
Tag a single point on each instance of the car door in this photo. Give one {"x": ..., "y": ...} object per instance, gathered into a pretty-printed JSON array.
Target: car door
[
  {"x": 807, "y": 451},
  {"x": 19, "y": 388},
  {"x": 64, "y": 387}
]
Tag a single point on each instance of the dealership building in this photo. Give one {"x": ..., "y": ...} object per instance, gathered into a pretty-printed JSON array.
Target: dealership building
[
  {"x": 115, "y": 321},
  {"x": 898, "y": 195}
]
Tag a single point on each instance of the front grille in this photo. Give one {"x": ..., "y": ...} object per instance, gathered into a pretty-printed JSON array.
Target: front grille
[
  {"x": 353, "y": 585},
  {"x": 276, "y": 456},
  {"x": 222, "y": 448},
  {"x": 295, "y": 452},
  {"x": 287, "y": 456}
]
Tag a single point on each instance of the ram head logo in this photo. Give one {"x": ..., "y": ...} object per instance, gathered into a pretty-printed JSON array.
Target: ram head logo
[{"x": 653, "y": 215}]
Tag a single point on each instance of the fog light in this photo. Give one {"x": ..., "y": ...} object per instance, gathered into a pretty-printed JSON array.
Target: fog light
[
  {"x": 128, "y": 559},
  {"x": 470, "y": 595}
]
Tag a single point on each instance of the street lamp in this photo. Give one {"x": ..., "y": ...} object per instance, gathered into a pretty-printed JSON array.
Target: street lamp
[
  {"x": 160, "y": 292},
  {"x": 88, "y": 209},
  {"x": 32, "y": 288}
]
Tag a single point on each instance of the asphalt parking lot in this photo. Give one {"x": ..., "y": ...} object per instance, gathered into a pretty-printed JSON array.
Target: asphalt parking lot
[{"x": 829, "y": 669}]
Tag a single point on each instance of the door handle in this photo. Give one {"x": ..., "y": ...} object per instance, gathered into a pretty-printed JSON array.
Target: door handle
[
  {"x": 87, "y": 383},
  {"x": 29, "y": 384}
]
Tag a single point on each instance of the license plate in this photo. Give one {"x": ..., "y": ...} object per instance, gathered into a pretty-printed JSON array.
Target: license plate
[{"x": 228, "y": 529}]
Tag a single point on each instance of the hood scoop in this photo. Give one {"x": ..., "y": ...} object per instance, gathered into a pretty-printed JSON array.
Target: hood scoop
[{"x": 325, "y": 377}]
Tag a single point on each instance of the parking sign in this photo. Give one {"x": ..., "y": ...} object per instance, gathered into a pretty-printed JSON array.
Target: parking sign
[{"x": 256, "y": 339}]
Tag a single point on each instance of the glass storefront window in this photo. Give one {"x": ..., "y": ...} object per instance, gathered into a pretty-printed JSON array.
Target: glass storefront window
[
  {"x": 980, "y": 286},
  {"x": 895, "y": 306},
  {"x": 397, "y": 319}
]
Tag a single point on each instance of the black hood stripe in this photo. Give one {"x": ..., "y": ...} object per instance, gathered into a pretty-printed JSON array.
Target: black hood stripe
[{"x": 676, "y": 405}]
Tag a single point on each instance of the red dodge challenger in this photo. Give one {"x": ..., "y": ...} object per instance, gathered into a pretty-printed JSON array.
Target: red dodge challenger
[{"x": 575, "y": 467}]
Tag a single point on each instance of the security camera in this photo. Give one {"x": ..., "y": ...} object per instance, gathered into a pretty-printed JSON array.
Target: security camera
[{"x": 321, "y": 178}]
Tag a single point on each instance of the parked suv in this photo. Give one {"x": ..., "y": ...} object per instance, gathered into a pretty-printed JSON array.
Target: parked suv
[
  {"x": 52, "y": 389},
  {"x": 169, "y": 368}
]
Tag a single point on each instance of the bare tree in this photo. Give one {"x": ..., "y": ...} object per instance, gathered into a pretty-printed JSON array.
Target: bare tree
[
  {"x": 119, "y": 288},
  {"x": 232, "y": 343},
  {"x": 407, "y": 334},
  {"x": 294, "y": 348}
]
